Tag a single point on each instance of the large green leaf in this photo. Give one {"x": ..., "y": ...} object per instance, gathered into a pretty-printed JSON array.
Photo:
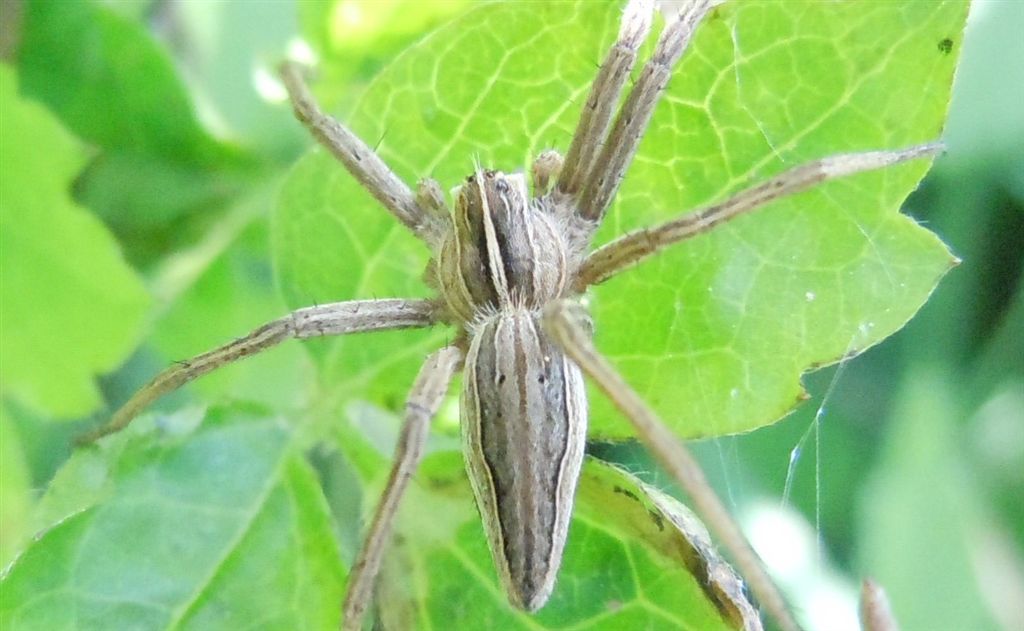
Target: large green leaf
[
  {"x": 71, "y": 308},
  {"x": 733, "y": 318},
  {"x": 216, "y": 529},
  {"x": 173, "y": 526},
  {"x": 716, "y": 332}
]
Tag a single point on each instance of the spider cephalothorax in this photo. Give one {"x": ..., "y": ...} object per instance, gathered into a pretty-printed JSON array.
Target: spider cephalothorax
[
  {"x": 502, "y": 250},
  {"x": 508, "y": 268}
]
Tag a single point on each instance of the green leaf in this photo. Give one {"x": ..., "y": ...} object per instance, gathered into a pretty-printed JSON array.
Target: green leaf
[
  {"x": 232, "y": 48},
  {"x": 353, "y": 39},
  {"x": 806, "y": 281},
  {"x": 185, "y": 527},
  {"x": 15, "y": 490},
  {"x": 716, "y": 332},
  {"x": 113, "y": 84},
  {"x": 71, "y": 307},
  {"x": 209, "y": 530},
  {"x": 338, "y": 26},
  {"x": 924, "y": 516},
  {"x": 85, "y": 60},
  {"x": 632, "y": 560}
]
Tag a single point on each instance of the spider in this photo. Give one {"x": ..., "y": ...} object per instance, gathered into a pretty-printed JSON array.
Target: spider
[{"x": 510, "y": 262}]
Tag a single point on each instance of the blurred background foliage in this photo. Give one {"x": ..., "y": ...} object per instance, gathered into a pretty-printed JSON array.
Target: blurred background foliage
[{"x": 179, "y": 139}]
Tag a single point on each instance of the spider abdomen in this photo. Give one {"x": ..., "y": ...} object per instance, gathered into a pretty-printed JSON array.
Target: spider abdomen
[
  {"x": 524, "y": 418},
  {"x": 503, "y": 252}
]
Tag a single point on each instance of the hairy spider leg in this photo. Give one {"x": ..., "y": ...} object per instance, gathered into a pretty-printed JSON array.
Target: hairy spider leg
[
  {"x": 421, "y": 406},
  {"x": 362, "y": 162},
  {"x": 617, "y": 153},
  {"x": 596, "y": 116},
  {"x": 339, "y": 318},
  {"x": 614, "y": 257}
]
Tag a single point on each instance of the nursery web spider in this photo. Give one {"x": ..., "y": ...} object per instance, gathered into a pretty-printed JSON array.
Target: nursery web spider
[{"x": 508, "y": 268}]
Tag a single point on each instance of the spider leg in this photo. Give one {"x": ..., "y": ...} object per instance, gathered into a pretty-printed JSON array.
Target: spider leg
[
  {"x": 427, "y": 393},
  {"x": 546, "y": 168},
  {"x": 875, "y": 610},
  {"x": 604, "y": 96},
  {"x": 359, "y": 159},
  {"x": 430, "y": 198},
  {"x": 623, "y": 252},
  {"x": 610, "y": 166},
  {"x": 338, "y": 318},
  {"x": 565, "y": 323}
]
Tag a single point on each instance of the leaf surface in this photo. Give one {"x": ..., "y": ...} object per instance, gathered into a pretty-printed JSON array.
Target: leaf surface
[
  {"x": 353, "y": 40},
  {"x": 222, "y": 528},
  {"x": 15, "y": 490},
  {"x": 71, "y": 307},
  {"x": 114, "y": 84},
  {"x": 717, "y": 332},
  {"x": 78, "y": 55},
  {"x": 925, "y": 516},
  {"x": 734, "y": 317}
]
